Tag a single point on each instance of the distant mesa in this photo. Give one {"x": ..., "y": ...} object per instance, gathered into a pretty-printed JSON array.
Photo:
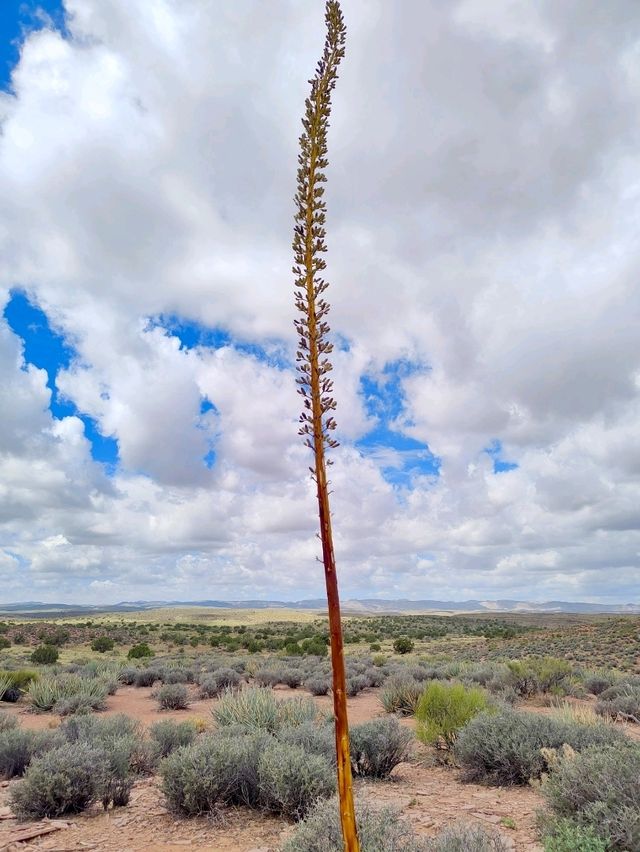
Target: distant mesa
[{"x": 369, "y": 606}]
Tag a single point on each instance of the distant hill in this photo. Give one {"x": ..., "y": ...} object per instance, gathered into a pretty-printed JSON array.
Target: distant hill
[{"x": 37, "y": 609}]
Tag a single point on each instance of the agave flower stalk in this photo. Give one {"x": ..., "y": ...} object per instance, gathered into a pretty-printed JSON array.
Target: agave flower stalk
[{"x": 314, "y": 385}]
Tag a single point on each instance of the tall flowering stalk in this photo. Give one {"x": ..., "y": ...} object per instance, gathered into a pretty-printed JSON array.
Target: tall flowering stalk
[{"x": 315, "y": 386}]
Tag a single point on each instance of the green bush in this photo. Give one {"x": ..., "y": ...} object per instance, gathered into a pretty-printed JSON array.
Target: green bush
[
  {"x": 102, "y": 644},
  {"x": 401, "y": 695},
  {"x": 173, "y": 696},
  {"x": 506, "y": 748},
  {"x": 377, "y": 747},
  {"x": 137, "y": 652},
  {"x": 564, "y": 835},
  {"x": 600, "y": 789},
  {"x": 291, "y": 780},
  {"x": 403, "y": 645},
  {"x": 168, "y": 735},
  {"x": 20, "y": 678},
  {"x": 64, "y": 780},
  {"x": 597, "y": 681},
  {"x": 446, "y": 708},
  {"x": 257, "y": 708},
  {"x": 4, "y": 643},
  {"x": 212, "y": 772},
  {"x": 45, "y": 655}
]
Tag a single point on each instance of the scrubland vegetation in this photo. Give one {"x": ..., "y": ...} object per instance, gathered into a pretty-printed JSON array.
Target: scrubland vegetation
[{"x": 479, "y": 715}]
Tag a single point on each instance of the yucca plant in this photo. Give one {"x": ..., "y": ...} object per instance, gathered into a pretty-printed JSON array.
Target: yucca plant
[{"x": 314, "y": 384}]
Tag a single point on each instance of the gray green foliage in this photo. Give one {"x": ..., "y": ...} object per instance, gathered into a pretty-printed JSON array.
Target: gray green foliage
[
  {"x": 377, "y": 747},
  {"x": 173, "y": 696},
  {"x": 291, "y": 780},
  {"x": 600, "y": 788},
  {"x": 257, "y": 708},
  {"x": 565, "y": 835},
  {"x": 506, "y": 748},
  {"x": 168, "y": 735}
]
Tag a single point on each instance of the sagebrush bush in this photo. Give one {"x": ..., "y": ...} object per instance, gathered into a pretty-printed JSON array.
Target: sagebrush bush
[
  {"x": 318, "y": 685},
  {"x": 384, "y": 830},
  {"x": 19, "y": 746},
  {"x": 173, "y": 696},
  {"x": 168, "y": 735},
  {"x": 7, "y": 722},
  {"x": 506, "y": 748},
  {"x": 128, "y": 675},
  {"x": 381, "y": 830},
  {"x": 467, "y": 838},
  {"x": 596, "y": 682},
  {"x": 600, "y": 788},
  {"x": 267, "y": 677},
  {"x": 620, "y": 700},
  {"x": 314, "y": 738},
  {"x": 401, "y": 695},
  {"x": 64, "y": 780},
  {"x": 377, "y": 747},
  {"x": 147, "y": 677},
  {"x": 356, "y": 684},
  {"x": 445, "y": 708},
  {"x": 257, "y": 708},
  {"x": 177, "y": 675},
  {"x": 212, "y": 772},
  {"x": 291, "y": 780},
  {"x": 212, "y": 684}
]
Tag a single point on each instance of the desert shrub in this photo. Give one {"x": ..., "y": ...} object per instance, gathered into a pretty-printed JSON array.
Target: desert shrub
[
  {"x": 314, "y": 738},
  {"x": 621, "y": 700},
  {"x": 137, "y": 652},
  {"x": 45, "y": 655},
  {"x": 7, "y": 722},
  {"x": 147, "y": 677},
  {"x": 4, "y": 643},
  {"x": 318, "y": 685},
  {"x": 506, "y": 748},
  {"x": 403, "y": 645},
  {"x": 211, "y": 685},
  {"x": 597, "y": 681},
  {"x": 267, "y": 677},
  {"x": 18, "y": 747},
  {"x": 291, "y": 678},
  {"x": 128, "y": 675},
  {"x": 20, "y": 678},
  {"x": 378, "y": 831},
  {"x": 445, "y": 708},
  {"x": 545, "y": 674},
  {"x": 102, "y": 644},
  {"x": 177, "y": 675},
  {"x": 377, "y": 747},
  {"x": 55, "y": 692},
  {"x": 168, "y": 735},
  {"x": 78, "y": 704},
  {"x": 467, "y": 838},
  {"x": 173, "y": 696},
  {"x": 356, "y": 684},
  {"x": 565, "y": 835},
  {"x": 5, "y": 684},
  {"x": 375, "y": 646},
  {"x": 374, "y": 676},
  {"x": 600, "y": 788},
  {"x": 257, "y": 708},
  {"x": 211, "y": 772},
  {"x": 291, "y": 780},
  {"x": 401, "y": 695},
  {"x": 64, "y": 780}
]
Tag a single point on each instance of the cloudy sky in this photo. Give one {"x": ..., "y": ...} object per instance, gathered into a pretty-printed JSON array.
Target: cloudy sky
[{"x": 484, "y": 201}]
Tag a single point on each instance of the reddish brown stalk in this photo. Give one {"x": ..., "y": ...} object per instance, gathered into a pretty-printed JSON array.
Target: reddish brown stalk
[{"x": 314, "y": 365}]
